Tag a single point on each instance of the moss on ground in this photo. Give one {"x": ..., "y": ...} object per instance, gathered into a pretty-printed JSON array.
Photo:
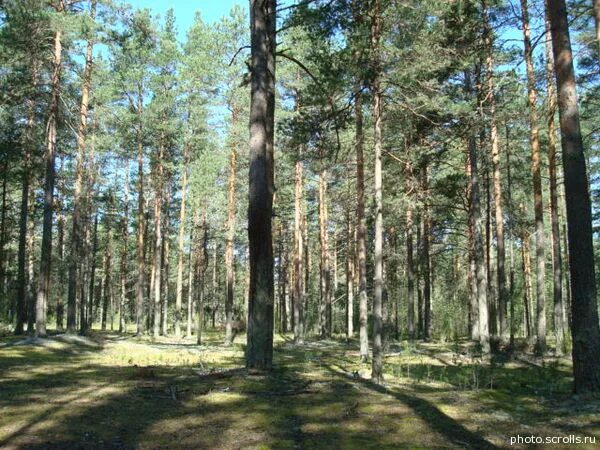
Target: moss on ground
[{"x": 123, "y": 392}]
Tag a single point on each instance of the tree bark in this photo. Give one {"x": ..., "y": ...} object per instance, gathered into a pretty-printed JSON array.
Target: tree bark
[
  {"x": 585, "y": 329},
  {"x": 259, "y": 350},
  {"x": 124, "y": 255},
  {"x": 41, "y": 306},
  {"x": 229, "y": 256},
  {"x": 425, "y": 257},
  {"x": 141, "y": 231},
  {"x": 180, "y": 247},
  {"x": 537, "y": 185},
  {"x": 377, "y": 366},
  {"x": 499, "y": 215},
  {"x": 324, "y": 278},
  {"x": 298, "y": 256},
  {"x": 559, "y": 325},
  {"x": 361, "y": 227},
  {"x": 28, "y": 147}
]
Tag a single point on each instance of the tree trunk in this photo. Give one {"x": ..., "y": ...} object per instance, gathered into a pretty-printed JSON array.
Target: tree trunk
[
  {"x": 124, "y": 255},
  {"x": 528, "y": 286},
  {"x": 349, "y": 277},
  {"x": 324, "y": 278},
  {"x": 75, "y": 252},
  {"x": 191, "y": 280},
  {"x": 28, "y": 147},
  {"x": 49, "y": 159},
  {"x": 499, "y": 216},
  {"x": 298, "y": 256},
  {"x": 377, "y": 367},
  {"x": 537, "y": 185},
  {"x": 425, "y": 257},
  {"x": 259, "y": 350},
  {"x": 141, "y": 231},
  {"x": 559, "y": 326},
  {"x": 361, "y": 227},
  {"x": 585, "y": 329},
  {"x": 229, "y": 256},
  {"x": 180, "y": 248}
]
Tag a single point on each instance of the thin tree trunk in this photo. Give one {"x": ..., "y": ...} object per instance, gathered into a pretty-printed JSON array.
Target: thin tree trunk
[
  {"x": 107, "y": 290},
  {"x": 377, "y": 366},
  {"x": 124, "y": 254},
  {"x": 191, "y": 279},
  {"x": 559, "y": 325},
  {"x": 141, "y": 231},
  {"x": 425, "y": 257},
  {"x": 84, "y": 324},
  {"x": 41, "y": 307},
  {"x": 585, "y": 328},
  {"x": 499, "y": 216},
  {"x": 158, "y": 238},
  {"x": 528, "y": 285},
  {"x": 180, "y": 249},
  {"x": 537, "y": 185},
  {"x": 28, "y": 147},
  {"x": 361, "y": 227},
  {"x": 229, "y": 256},
  {"x": 298, "y": 256},
  {"x": 324, "y": 278},
  {"x": 349, "y": 278},
  {"x": 75, "y": 253}
]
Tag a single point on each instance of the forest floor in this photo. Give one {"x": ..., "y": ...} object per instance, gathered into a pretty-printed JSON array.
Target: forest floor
[{"x": 122, "y": 392}]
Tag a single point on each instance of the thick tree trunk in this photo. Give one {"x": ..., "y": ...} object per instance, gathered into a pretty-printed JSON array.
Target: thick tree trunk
[
  {"x": 540, "y": 258},
  {"x": 585, "y": 329},
  {"x": 43, "y": 292},
  {"x": 259, "y": 350},
  {"x": 298, "y": 256},
  {"x": 377, "y": 367},
  {"x": 559, "y": 325}
]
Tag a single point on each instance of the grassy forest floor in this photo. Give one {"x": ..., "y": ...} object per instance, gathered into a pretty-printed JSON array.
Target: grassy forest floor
[{"x": 122, "y": 392}]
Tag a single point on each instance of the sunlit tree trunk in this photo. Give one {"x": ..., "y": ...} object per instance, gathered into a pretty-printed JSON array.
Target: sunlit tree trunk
[
  {"x": 180, "y": 248},
  {"x": 377, "y": 367},
  {"x": 41, "y": 306},
  {"x": 28, "y": 147},
  {"x": 324, "y": 272},
  {"x": 298, "y": 255},
  {"x": 540, "y": 259}
]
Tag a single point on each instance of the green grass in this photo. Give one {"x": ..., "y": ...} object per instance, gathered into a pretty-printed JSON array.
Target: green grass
[{"x": 111, "y": 391}]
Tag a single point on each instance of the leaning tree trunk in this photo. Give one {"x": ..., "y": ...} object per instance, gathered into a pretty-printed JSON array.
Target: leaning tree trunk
[
  {"x": 41, "y": 306},
  {"x": 559, "y": 325},
  {"x": 377, "y": 366},
  {"x": 259, "y": 350},
  {"x": 585, "y": 329},
  {"x": 536, "y": 172}
]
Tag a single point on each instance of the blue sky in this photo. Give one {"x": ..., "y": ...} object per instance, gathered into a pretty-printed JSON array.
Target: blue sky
[{"x": 185, "y": 10}]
